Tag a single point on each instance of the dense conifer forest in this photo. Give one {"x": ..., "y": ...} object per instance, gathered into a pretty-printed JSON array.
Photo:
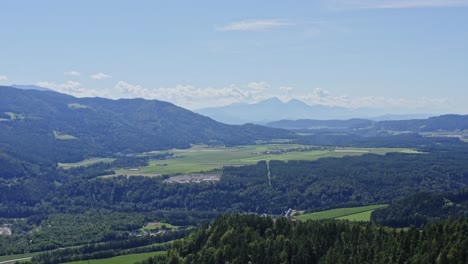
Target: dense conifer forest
[{"x": 254, "y": 239}]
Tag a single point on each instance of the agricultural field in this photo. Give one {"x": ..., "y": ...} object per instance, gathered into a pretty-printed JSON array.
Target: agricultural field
[
  {"x": 125, "y": 259},
  {"x": 361, "y": 213},
  {"x": 203, "y": 158},
  {"x": 86, "y": 162}
]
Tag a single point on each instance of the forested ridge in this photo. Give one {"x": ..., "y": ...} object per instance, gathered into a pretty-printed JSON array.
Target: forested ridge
[
  {"x": 254, "y": 239},
  {"x": 423, "y": 208}
]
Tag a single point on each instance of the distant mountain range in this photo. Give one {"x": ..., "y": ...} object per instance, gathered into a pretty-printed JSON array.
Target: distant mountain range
[
  {"x": 53, "y": 126},
  {"x": 31, "y": 87},
  {"x": 432, "y": 124},
  {"x": 274, "y": 109}
]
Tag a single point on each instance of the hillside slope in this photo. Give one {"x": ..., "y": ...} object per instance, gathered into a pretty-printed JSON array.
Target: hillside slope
[{"x": 59, "y": 127}]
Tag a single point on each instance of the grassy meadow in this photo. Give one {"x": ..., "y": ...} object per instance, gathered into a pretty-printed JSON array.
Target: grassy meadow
[
  {"x": 152, "y": 227},
  {"x": 125, "y": 259},
  {"x": 361, "y": 213}
]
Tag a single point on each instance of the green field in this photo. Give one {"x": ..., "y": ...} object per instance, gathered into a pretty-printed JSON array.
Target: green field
[
  {"x": 19, "y": 256},
  {"x": 85, "y": 162},
  {"x": 203, "y": 158},
  {"x": 363, "y": 216},
  {"x": 126, "y": 259},
  {"x": 361, "y": 213},
  {"x": 150, "y": 227}
]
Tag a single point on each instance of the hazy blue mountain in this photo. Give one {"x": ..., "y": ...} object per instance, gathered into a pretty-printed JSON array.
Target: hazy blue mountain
[
  {"x": 60, "y": 127},
  {"x": 322, "y": 124},
  {"x": 274, "y": 109},
  {"x": 31, "y": 87},
  {"x": 401, "y": 117},
  {"x": 437, "y": 123}
]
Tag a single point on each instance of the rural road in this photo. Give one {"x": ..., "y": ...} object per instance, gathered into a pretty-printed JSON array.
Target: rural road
[
  {"x": 13, "y": 260},
  {"x": 269, "y": 174}
]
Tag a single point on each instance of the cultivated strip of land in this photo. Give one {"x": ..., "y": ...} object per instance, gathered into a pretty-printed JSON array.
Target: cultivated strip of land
[
  {"x": 86, "y": 162},
  {"x": 361, "y": 213},
  {"x": 204, "y": 158},
  {"x": 125, "y": 259}
]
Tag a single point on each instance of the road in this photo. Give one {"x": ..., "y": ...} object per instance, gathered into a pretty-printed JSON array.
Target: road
[{"x": 269, "y": 174}]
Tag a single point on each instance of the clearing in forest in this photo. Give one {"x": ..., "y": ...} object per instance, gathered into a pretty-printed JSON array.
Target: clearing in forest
[{"x": 361, "y": 213}]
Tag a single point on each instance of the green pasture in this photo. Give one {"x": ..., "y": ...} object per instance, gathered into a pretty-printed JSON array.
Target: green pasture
[
  {"x": 152, "y": 227},
  {"x": 361, "y": 213},
  {"x": 125, "y": 259},
  {"x": 203, "y": 158},
  {"x": 86, "y": 162},
  {"x": 362, "y": 216}
]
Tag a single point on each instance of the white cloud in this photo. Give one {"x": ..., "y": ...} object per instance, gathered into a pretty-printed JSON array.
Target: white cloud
[
  {"x": 322, "y": 97},
  {"x": 72, "y": 73},
  {"x": 286, "y": 88},
  {"x": 384, "y": 4},
  {"x": 100, "y": 76},
  {"x": 193, "y": 97},
  {"x": 196, "y": 97},
  {"x": 3, "y": 78},
  {"x": 132, "y": 90},
  {"x": 72, "y": 88},
  {"x": 258, "y": 86},
  {"x": 254, "y": 25}
]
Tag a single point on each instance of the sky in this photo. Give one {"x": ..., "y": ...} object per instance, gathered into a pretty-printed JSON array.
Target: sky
[{"x": 406, "y": 56}]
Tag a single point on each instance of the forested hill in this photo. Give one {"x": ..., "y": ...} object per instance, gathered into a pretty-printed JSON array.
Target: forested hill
[
  {"x": 422, "y": 208},
  {"x": 253, "y": 239},
  {"x": 42, "y": 125}
]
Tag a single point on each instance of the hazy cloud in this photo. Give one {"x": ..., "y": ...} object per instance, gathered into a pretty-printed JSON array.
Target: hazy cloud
[
  {"x": 196, "y": 97},
  {"x": 286, "y": 88},
  {"x": 259, "y": 86},
  {"x": 323, "y": 97},
  {"x": 100, "y": 76},
  {"x": 383, "y": 4},
  {"x": 3, "y": 78},
  {"x": 135, "y": 91},
  {"x": 72, "y": 73},
  {"x": 72, "y": 88},
  {"x": 193, "y": 97},
  {"x": 254, "y": 25}
]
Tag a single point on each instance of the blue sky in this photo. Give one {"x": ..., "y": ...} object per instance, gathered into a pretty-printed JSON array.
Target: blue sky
[{"x": 400, "y": 55}]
